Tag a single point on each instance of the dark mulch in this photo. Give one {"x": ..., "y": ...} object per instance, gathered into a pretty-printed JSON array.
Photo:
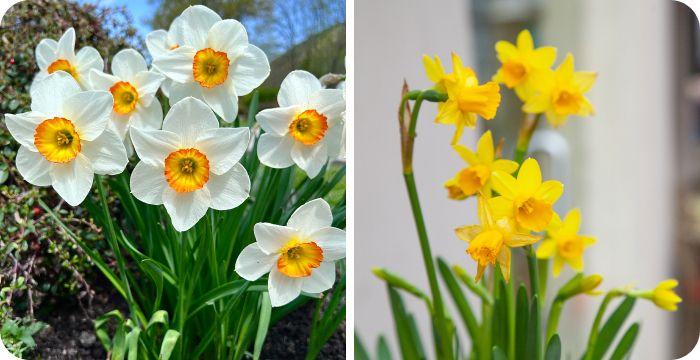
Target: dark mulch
[{"x": 71, "y": 335}]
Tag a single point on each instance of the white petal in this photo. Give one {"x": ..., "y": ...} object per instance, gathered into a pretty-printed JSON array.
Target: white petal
[
  {"x": 147, "y": 83},
  {"x": 147, "y": 117},
  {"x": 88, "y": 58},
  {"x": 46, "y": 53},
  {"x": 321, "y": 279},
  {"x": 223, "y": 147},
  {"x": 147, "y": 183},
  {"x": 166, "y": 86},
  {"x": 72, "y": 181},
  {"x": 90, "y": 112},
  {"x": 33, "y": 167},
  {"x": 120, "y": 124},
  {"x": 271, "y": 238},
  {"x": 334, "y": 139},
  {"x": 297, "y": 88},
  {"x": 153, "y": 146},
  {"x": 332, "y": 241},
  {"x": 249, "y": 69},
  {"x": 179, "y": 91},
  {"x": 311, "y": 217},
  {"x": 49, "y": 94},
  {"x": 276, "y": 120},
  {"x": 66, "y": 46},
  {"x": 23, "y": 126},
  {"x": 275, "y": 151},
  {"x": 101, "y": 81},
  {"x": 177, "y": 64},
  {"x": 193, "y": 25},
  {"x": 252, "y": 263},
  {"x": 106, "y": 153},
  {"x": 157, "y": 43},
  {"x": 310, "y": 158},
  {"x": 188, "y": 118},
  {"x": 223, "y": 100},
  {"x": 228, "y": 36},
  {"x": 283, "y": 289},
  {"x": 127, "y": 63},
  {"x": 41, "y": 75},
  {"x": 328, "y": 102},
  {"x": 185, "y": 209},
  {"x": 230, "y": 189}
]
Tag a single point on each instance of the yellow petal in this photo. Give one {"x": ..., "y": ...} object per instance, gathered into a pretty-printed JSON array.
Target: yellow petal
[
  {"x": 448, "y": 113},
  {"x": 584, "y": 80},
  {"x": 505, "y": 51},
  {"x": 433, "y": 68},
  {"x": 529, "y": 177},
  {"x": 504, "y": 263},
  {"x": 479, "y": 272},
  {"x": 467, "y": 155},
  {"x": 566, "y": 68},
  {"x": 588, "y": 241},
  {"x": 550, "y": 191},
  {"x": 504, "y": 183},
  {"x": 501, "y": 207},
  {"x": 556, "y": 120},
  {"x": 572, "y": 222},
  {"x": 521, "y": 239},
  {"x": 484, "y": 212},
  {"x": 467, "y": 233},
  {"x": 576, "y": 263},
  {"x": 557, "y": 266},
  {"x": 458, "y": 132},
  {"x": 525, "y": 41},
  {"x": 507, "y": 166},
  {"x": 546, "y": 249},
  {"x": 668, "y": 284},
  {"x": 544, "y": 57},
  {"x": 484, "y": 148},
  {"x": 555, "y": 225},
  {"x": 585, "y": 109}
]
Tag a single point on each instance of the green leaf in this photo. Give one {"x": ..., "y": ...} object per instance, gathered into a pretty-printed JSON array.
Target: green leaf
[
  {"x": 553, "y": 351},
  {"x": 522, "y": 314},
  {"x": 612, "y": 326},
  {"x": 118, "y": 349},
  {"x": 398, "y": 282},
  {"x": 383, "y": 352},
  {"x": 132, "y": 343},
  {"x": 534, "y": 336},
  {"x": 498, "y": 354},
  {"x": 263, "y": 325},
  {"x": 169, "y": 341},
  {"x": 624, "y": 347},
  {"x": 402, "y": 325},
  {"x": 233, "y": 288},
  {"x": 360, "y": 350},
  {"x": 461, "y": 302},
  {"x": 158, "y": 317},
  {"x": 478, "y": 289}
]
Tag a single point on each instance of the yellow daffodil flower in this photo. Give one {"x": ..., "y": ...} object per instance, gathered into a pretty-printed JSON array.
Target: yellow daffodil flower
[
  {"x": 491, "y": 241},
  {"x": 465, "y": 97},
  {"x": 564, "y": 243},
  {"x": 527, "y": 200},
  {"x": 477, "y": 176},
  {"x": 664, "y": 296},
  {"x": 436, "y": 72},
  {"x": 561, "y": 93},
  {"x": 521, "y": 63}
]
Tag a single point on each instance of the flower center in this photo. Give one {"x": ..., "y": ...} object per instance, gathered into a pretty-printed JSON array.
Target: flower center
[
  {"x": 482, "y": 100},
  {"x": 63, "y": 65},
  {"x": 186, "y": 170},
  {"x": 210, "y": 68},
  {"x": 570, "y": 248},
  {"x": 472, "y": 179},
  {"x": 125, "y": 97},
  {"x": 533, "y": 214},
  {"x": 309, "y": 127},
  {"x": 174, "y": 46},
  {"x": 566, "y": 102},
  {"x": 514, "y": 72},
  {"x": 57, "y": 140},
  {"x": 299, "y": 258},
  {"x": 484, "y": 248}
]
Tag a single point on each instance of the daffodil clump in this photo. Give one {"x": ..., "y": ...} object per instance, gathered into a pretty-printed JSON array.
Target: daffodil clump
[
  {"x": 516, "y": 208},
  {"x": 218, "y": 219}
]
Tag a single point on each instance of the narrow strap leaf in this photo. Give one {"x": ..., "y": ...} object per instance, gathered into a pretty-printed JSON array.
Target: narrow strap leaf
[
  {"x": 402, "y": 325},
  {"x": 612, "y": 326},
  {"x": 498, "y": 354},
  {"x": 521, "y": 323},
  {"x": 553, "y": 351},
  {"x": 383, "y": 352},
  {"x": 624, "y": 347},
  {"x": 461, "y": 302},
  {"x": 169, "y": 341},
  {"x": 263, "y": 325}
]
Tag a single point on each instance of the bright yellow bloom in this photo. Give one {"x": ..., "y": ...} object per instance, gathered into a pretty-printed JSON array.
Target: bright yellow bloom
[
  {"x": 308, "y": 127},
  {"x": 465, "y": 98},
  {"x": 664, "y": 296},
  {"x": 491, "y": 241},
  {"x": 564, "y": 243},
  {"x": 527, "y": 200},
  {"x": 298, "y": 258},
  {"x": 57, "y": 140},
  {"x": 477, "y": 176},
  {"x": 186, "y": 170},
  {"x": 436, "y": 72},
  {"x": 210, "y": 67},
  {"x": 561, "y": 93},
  {"x": 522, "y": 63}
]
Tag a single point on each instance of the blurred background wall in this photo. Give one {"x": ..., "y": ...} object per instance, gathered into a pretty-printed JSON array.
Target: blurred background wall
[{"x": 631, "y": 167}]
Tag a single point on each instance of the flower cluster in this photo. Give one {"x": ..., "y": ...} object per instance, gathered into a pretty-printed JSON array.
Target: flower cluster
[
  {"x": 85, "y": 121},
  {"x": 515, "y": 204}
]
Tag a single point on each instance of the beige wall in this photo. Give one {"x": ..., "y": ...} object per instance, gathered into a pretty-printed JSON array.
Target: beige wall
[{"x": 622, "y": 159}]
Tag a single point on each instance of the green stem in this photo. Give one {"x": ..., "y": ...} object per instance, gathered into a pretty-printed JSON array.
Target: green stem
[
  {"x": 525, "y": 135},
  {"x": 553, "y": 318},
  {"x": 543, "y": 271},
  {"x": 535, "y": 289},
  {"x": 593, "y": 336}
]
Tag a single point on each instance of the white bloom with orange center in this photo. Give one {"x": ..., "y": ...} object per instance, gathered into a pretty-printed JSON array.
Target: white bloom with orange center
[
  {"x": 191, "y": 165},
  {"x": 133, "y": 88},
  {"x": 306, "y": 129},
  {"x": 213, "y": 61},
  {"x": 65, "y": 138},
  {"x": 52, "y": 56},
  {"x": 160, "y": 43},
  {"x": 299, "y": 257}
]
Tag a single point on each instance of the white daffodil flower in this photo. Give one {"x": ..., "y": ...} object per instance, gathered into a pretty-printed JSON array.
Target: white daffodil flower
[
  {"x": 191, "y": 165},
  {"x": 52, "y": 56},
  {"x": 306, "y": 129},
  {"x": 159, "y": 44},
  {"x": 65, "y": 138},
  {"x": 214, "y": 61},
  {"x": 133, "y": 88},
  {"x": 300, "y": 257}
]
